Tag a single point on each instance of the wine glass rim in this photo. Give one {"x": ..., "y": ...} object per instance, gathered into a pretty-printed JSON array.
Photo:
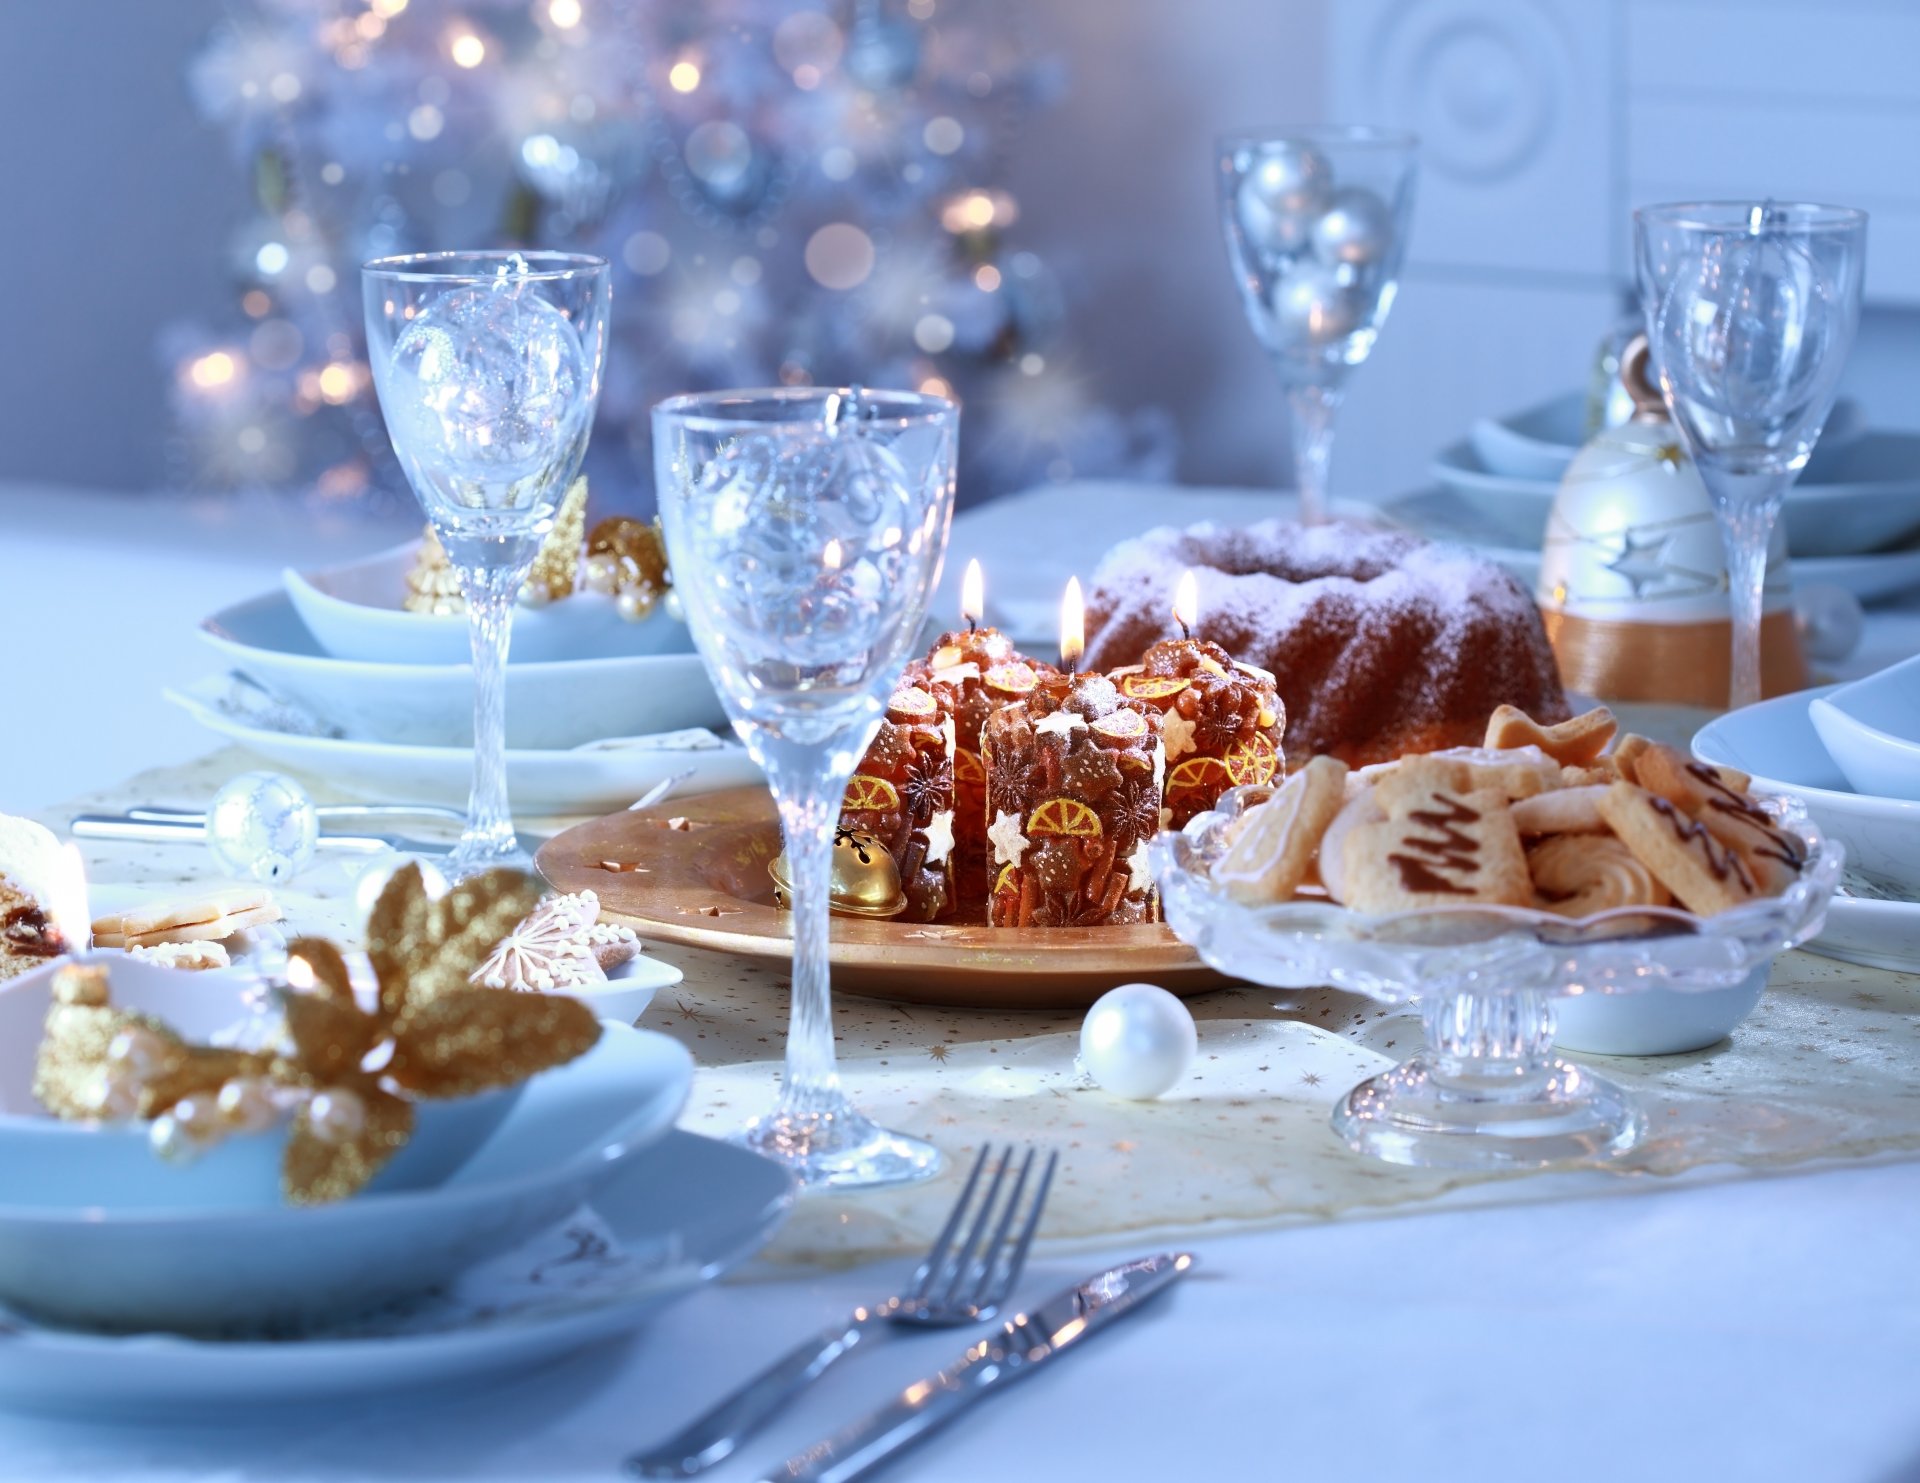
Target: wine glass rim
[
  {"x": 717, "y": 411},
  {"x": 542, "y": 265},
  {"x": 1737, "y": 216},
  {"x": 1366, "y": 136}
]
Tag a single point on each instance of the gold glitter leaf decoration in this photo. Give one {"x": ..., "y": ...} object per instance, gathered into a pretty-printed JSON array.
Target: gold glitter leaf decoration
[
  {"x": 323, "y": 1165},
  {"x": 330, "y": 1039},
  {"x": 329, "y": 965},
  {"x": 472, "y": 1039},
  {"x": 73, "y": 1049},
  {"x": 422, "y": 949},
  {"x": 555, "y": 569}
]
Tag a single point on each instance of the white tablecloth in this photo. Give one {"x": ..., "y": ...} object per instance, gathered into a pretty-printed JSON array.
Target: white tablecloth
[{"x": 1764, "y": 1329}]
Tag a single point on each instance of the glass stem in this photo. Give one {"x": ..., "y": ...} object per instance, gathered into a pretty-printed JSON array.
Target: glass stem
[
  {"x": 1475, "y": 1037},
  {"x": 1746, "y": 530},
  {"x": 809, "y": 812},
  {"x": 490, "y": 593},
  {"x": 1312, "y": 409}
]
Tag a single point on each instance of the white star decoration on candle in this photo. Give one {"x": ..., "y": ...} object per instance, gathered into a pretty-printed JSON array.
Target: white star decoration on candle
[
  {"x": 1139, "y": 877},
  {"x": 1009, "y": 840},
  {"x": 940, "y": 836},
  {"x": 1177, "y": 732},
  {"x": 1062, "y": 722}
]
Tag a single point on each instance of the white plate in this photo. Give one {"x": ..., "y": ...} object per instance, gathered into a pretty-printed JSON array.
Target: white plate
[
  {"x": 682, "y": 1212},
  {"x": 629, "y": 988},
  {"x": 540, "y": 782},
  {"x": 1865, "y": 497},
  {"x": 1876, "y": 934},
  {"x": 1443, "y": 515},
  {"x": 354, "y": 611},
  {"x": 1871, "y": 729},
  {"x": 558, "y": 704}
]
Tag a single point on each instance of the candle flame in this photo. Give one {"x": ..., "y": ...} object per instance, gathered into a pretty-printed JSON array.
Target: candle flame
[
  {"x": 973, "y": 594},
  {"x": 1186, "y": 602},
  {"x": 831, "y": 557},
  {"x": 300, "y": 974},
  {"x": 1073, "y": 625},
  {"x": 67, "y": 905}
]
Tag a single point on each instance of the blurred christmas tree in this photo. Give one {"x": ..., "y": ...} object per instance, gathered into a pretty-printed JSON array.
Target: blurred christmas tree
[{"x": 789, "y": 190}]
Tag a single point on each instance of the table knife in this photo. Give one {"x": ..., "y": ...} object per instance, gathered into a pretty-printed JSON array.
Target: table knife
[
  {"x": 194, "y": 831},
  {"x": 1022, "y": 1345}
]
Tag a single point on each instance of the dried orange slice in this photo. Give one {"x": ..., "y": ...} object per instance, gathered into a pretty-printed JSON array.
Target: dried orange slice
[
  {"x": 1006, "y": 882},
  {"x": 1198, "y": 772},
  {"x": 1065, "y": 816},
  {"x": 1013, "y": 678},
  {"x": 913, "y": 703},
  {"x": 1251, "y": 761},
  {"x": 869, "y": 794},
  {"x": 967, "y": 766},
  {"x": 1152, "y": 687},
  {"x": 1121, "y": 725}
]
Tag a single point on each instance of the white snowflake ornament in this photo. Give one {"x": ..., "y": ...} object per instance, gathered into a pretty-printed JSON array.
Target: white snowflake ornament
[{"x": 556, "y": 948}]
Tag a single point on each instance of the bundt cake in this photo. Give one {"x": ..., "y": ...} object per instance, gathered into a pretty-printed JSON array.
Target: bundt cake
[{"x": 1381, "y": 643}]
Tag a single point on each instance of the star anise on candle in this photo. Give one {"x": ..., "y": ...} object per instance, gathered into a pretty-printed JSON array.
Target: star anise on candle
[
  {"x": 1136, "y": 814},
  {"x": 928, "y": 786}
]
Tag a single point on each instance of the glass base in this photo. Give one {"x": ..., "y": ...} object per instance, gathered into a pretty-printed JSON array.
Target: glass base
[
  {"x": 840, "y": 1149},
  {"x": 476, "y": 856},
  {"x": 1553, "y": 1112}
]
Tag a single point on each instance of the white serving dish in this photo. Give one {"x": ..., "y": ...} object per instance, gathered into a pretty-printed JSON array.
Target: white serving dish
[
  {"x": 1539, "y": 442},
  {"x": 354, "y": 612},
  {"x": 629, "y": 988},
  {"x": 1862, "y": 499},
  {"x": 1871, "y": 729},
  {"x": 1776, "y": 743},
  {"x": 192, "y": 1270},
  {"x": 1443, "y": 515},
  {"x": 55, "y": 1164},
  {"x": 1659, "y": 1022},
  {"x": 681, "y": 1212},
  {"x": 561, "y": 703},
  {"x": 1872, "y": 932},
  {"x": 581, "y": 781}
]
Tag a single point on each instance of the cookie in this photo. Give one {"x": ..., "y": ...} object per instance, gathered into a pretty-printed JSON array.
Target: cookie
[
  {"x": 1361, "y": 807},
  {"x": 1438, "y": 849},
  {"x": 1626, "y": 754},
  {"x": 1575, "y": 876},
  {"x": 1774, "y": 855},
  {"x": 1517, "y": 772},
  {"x": 1274, "y": 843},
  {"x": 1577, "y": 742},
  {"x": 1705, "y": 875},
  {"x": 192, "y": 956},
  {"x": 206, "y": 918},
  {"x": 1563, "y": 811}
]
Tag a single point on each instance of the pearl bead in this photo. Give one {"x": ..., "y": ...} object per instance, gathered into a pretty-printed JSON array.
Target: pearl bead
[
  {"x": 137, "y": 1049},
  {"x": 629, "y": 606},
  {"x": 335, "y": 1116},
  {"x": 246, "y": 1105},
  {"x": 1137, "y": 1041}
]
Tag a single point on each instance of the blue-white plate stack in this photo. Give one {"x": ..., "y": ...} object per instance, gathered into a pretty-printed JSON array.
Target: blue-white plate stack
[
  {"x": 330, "y": 676},
  {"x": 1852, "y": 518},
  {"x": 515, "y": 1226}
]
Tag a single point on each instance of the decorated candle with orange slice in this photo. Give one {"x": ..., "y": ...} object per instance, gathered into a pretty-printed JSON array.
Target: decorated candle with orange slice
[
  {"x": 1221, "y": 720},
  {"x": 902, "y": 794},
  {"x": 1073, "y": 781},
  {"x": 983, "y": 671}
]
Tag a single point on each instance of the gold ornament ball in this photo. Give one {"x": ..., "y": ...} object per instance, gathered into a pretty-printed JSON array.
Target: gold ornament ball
[{"x": 864, "y": 881}]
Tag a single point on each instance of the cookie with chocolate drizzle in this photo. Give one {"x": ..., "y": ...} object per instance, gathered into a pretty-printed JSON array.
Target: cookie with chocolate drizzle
[
  {"x": 1705, "y": 874},
  {"x": 1772, "y": 855},
  {"x": 1437, "y": 848}
]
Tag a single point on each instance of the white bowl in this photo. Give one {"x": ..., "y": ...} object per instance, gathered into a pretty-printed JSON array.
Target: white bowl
[
  {"x": 1871, "y": 729},
  {"x": 273, "y": 1269},
  {"x": 62, "y": 1164},
  {"x": 556, "y": 704},
  {"x": 629, "y": 988},
  {"x": 1775, "y": 742},
  {"x": 354, "y": 611},
  {"x": 1659, "y": 1022}
]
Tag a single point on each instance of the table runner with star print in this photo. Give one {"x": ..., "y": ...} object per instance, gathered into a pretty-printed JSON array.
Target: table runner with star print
[{"x": 1827, "y": 1068}]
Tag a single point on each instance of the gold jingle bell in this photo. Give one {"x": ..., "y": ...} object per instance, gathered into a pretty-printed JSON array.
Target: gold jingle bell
[{"x": 864, "y": 880}]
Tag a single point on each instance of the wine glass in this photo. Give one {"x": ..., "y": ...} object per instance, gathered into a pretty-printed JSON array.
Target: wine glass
[
  {"x": 806, "y": 529},
  {"x": 488, "y": 367},
  {"x": 1316, "y": 226},
  {"x": 1751, "y": 309}
]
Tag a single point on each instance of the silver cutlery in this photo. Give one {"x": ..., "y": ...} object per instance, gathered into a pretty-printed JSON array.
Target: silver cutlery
[
  {"x": 325, "y": 811},
  {"x": 193, "y": 831},
  {"x": 958, "y": 1283},
  {"x": 1025, "y": 1342}
]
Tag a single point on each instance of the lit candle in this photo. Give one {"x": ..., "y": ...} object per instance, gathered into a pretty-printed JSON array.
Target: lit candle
[
  {"x": 1073, "y": 776},
  {"x": 1221, "y": 721},
  {"x": 973, "y": 596}
]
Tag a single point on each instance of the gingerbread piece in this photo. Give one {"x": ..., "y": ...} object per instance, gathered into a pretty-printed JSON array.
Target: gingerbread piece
[
  {"x": 1516, "y": 772},
  {"x": 208, "y": 918},
  {"x": 1576, "y": 743},
  {"x": 1705, "y": 875},
  {"x": 1439, "y": 848},
  {"x": 1274, "y": 842}
]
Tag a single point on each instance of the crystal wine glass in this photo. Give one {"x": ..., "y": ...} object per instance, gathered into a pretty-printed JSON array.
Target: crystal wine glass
[
  {"x": 488, "y": 367},
  {"x": 1751, "y": 309},
  {"x": 1316, "y": 226},
  {"x": 806, "y": 529}
]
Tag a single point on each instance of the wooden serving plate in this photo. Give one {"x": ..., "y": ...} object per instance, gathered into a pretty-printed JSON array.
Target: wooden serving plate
[{"x": 699, "y": 876}]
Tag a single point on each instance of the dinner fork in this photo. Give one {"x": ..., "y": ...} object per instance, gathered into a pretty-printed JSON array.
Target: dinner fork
[{"x": 958, "y": 1283}]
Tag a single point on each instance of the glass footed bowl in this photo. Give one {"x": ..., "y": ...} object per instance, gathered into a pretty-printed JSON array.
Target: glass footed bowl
[{"x": 1486, "y": 1092}]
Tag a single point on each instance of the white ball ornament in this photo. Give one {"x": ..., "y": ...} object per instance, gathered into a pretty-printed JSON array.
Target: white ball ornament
[
  {"x": 368, "y": 885},
  {"x": 262, "y": 826},
  {"x": 1356, "y": 229},
  {"x": 1137, "y": 1041},
  {"x": 1281, "y": 196},
  {"x": 1311, "y": 306}
]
